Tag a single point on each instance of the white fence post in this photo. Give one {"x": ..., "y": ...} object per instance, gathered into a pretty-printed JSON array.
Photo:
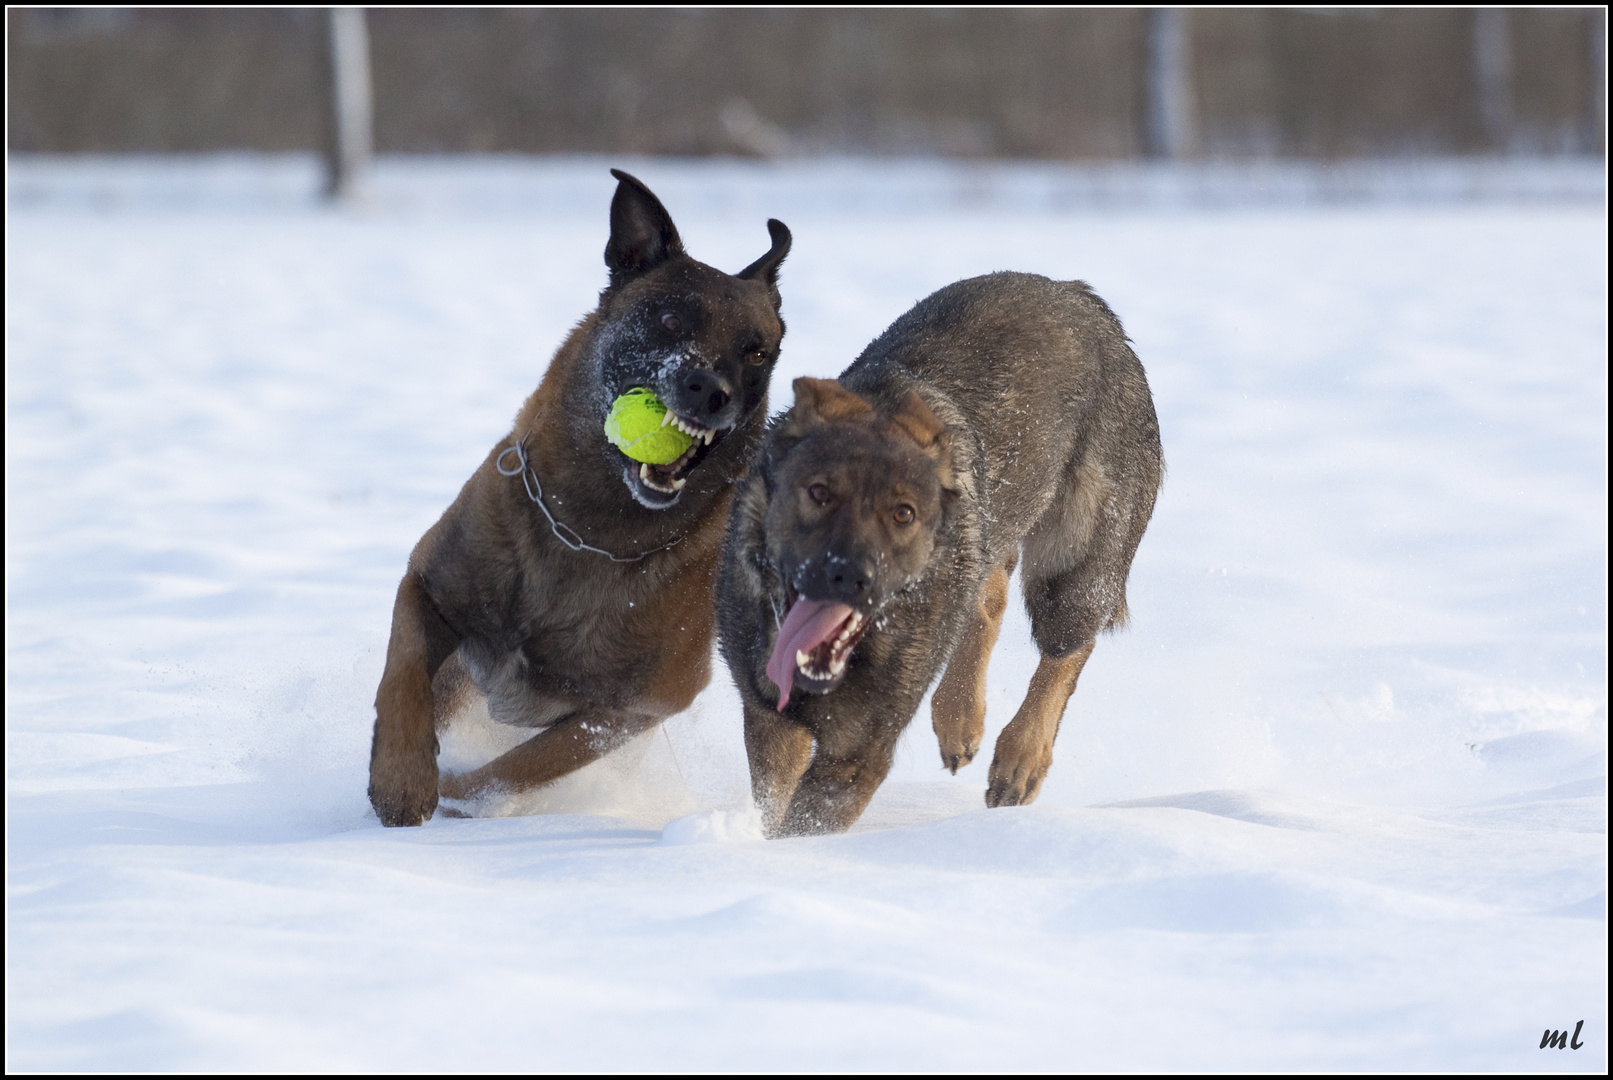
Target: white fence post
[
  {"x": 1172, "y": 113},
  {"x": 351, "y": 144}
]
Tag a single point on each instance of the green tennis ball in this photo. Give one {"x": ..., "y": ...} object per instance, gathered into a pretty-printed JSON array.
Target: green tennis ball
[{"x": 634, "y": 427}]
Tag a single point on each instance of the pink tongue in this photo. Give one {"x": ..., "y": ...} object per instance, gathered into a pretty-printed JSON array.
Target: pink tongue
[{"x": 808, "y": 625}]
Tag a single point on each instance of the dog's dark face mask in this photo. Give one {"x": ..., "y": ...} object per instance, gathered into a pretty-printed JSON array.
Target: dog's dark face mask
[
  {"x": 854, "y": 508},
  {"x": 704, "y": 341}
]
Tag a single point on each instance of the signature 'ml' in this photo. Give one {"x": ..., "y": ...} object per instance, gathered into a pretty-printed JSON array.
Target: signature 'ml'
[{"x": 1560, "y": 1040}]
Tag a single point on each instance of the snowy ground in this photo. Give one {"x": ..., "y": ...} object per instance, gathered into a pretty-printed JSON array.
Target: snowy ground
[{"x": 1337, "y": 800}]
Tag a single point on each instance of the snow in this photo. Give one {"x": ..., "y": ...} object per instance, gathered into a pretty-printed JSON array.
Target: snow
[{"x": 1336, "y": 800}]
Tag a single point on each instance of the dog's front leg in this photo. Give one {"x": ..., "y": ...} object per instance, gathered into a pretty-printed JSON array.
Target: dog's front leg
[
  {"x": 403, "y": 752},
  {"x": 563, "y": 747},
  {"x": 779, "y": 751},
  {"x": 836, "y": 788},
  {"x": 1025, "y": 748},
  {"x": 958, "y": 707}
]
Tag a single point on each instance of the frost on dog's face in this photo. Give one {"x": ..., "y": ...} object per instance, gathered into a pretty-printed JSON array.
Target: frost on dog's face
[
  {"x": 702, "y": 341},
  {"x": 851, "y": 522}
]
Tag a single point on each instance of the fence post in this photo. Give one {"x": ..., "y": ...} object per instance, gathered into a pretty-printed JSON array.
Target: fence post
[
  {"x": 1172, "y": 119},
  {"x": 1492, "y": 74},
  {"x": 1596, "y": 108},
  {"x": 347, "y": 155}
]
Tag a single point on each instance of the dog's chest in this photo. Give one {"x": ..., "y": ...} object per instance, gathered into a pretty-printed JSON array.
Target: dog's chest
[{"x": 622, "y": 636}]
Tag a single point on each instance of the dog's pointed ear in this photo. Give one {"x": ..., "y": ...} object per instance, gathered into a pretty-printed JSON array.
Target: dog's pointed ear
[
  {"x": 642, "y": 235},
  {"x": 765, "y": 269},
  {"x": 918, "y": 422},
  {"x": 817, "y": 402},
  {"x": 825, "y": 401}
]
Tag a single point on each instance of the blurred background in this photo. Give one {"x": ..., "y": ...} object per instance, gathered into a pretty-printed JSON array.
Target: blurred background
[
  {"x": 1352, "y": 748},
  {"x": 1064, "y": 85}
]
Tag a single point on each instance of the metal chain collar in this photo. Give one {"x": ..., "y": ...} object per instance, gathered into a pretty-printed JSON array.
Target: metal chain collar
[{"x": 534, "y": 491}]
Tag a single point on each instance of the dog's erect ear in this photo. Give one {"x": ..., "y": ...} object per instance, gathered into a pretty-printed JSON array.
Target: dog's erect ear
[
  {"x": 765, "y": 269},
  {"x": 825, "y": 401},
  {"x": 817, "y": 402},
  {"x": 918, "y": 422},
  {"x": 642, "y": 235}
]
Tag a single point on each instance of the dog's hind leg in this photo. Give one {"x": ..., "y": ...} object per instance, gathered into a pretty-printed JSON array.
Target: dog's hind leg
[
  {"x": 403, "y": 752},
  {"x": 1076, "y": 560},
  {"x": 562, "y": 748},
  {"x": 1025, "y": 748},
  {"x": 958, "y": 707}
]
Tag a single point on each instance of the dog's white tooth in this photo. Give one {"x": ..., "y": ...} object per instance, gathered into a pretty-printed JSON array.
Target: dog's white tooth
[
  {"x": 650, "y": 482},
  {"x": 710, "y": 434},
  {"x": 678, "y": 482},
  {"x": 667, "y": 418},
  {"x": 802, "y": 659}
]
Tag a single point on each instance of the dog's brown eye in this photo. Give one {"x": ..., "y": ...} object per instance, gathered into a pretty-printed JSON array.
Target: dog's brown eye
[
  {"x": 671, "y": 321},
  {"x": 903, "y": 514},
  {"x": 819, "y": 493},
  {"x": 756, "y": 358}
]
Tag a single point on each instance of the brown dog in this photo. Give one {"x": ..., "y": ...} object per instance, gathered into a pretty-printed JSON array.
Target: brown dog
[
  {"x": 1004, "y": 418},
  {"x": 570, "y": 584}
]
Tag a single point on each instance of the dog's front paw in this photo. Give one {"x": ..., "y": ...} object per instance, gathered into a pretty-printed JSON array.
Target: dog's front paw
[
  {"x": 958, "y": 731},
  {"x": 958, "y": 755},
  {"x": 1017, "y": 771},
  {"x": 403, "y": 804},
  {"x": 404, "y": 789}
]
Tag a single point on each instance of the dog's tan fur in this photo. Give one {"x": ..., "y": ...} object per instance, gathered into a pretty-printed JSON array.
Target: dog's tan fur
[{"x": 958, "y": 706}]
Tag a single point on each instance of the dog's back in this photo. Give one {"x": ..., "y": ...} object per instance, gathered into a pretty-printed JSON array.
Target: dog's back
[{"x": 1039, "y": 374}]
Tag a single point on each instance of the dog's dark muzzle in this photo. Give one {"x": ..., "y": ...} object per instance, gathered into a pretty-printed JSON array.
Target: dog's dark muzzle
[{"x": 704, "y": 397}]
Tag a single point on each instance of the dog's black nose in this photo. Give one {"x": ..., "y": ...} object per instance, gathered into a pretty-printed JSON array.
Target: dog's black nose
[
  {"x": 834, "y": 578},
  {"x": 703, "y": 396},
  {"x": 706, "y": 388}
]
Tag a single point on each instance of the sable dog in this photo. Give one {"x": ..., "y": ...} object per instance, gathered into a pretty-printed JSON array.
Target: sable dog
[
  {"x": 1004, "y": 417},
  {"x": 571, "y": 584}
]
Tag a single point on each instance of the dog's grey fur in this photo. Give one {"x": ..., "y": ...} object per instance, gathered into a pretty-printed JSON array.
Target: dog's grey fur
[{"x": 1043, "y": 447}]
